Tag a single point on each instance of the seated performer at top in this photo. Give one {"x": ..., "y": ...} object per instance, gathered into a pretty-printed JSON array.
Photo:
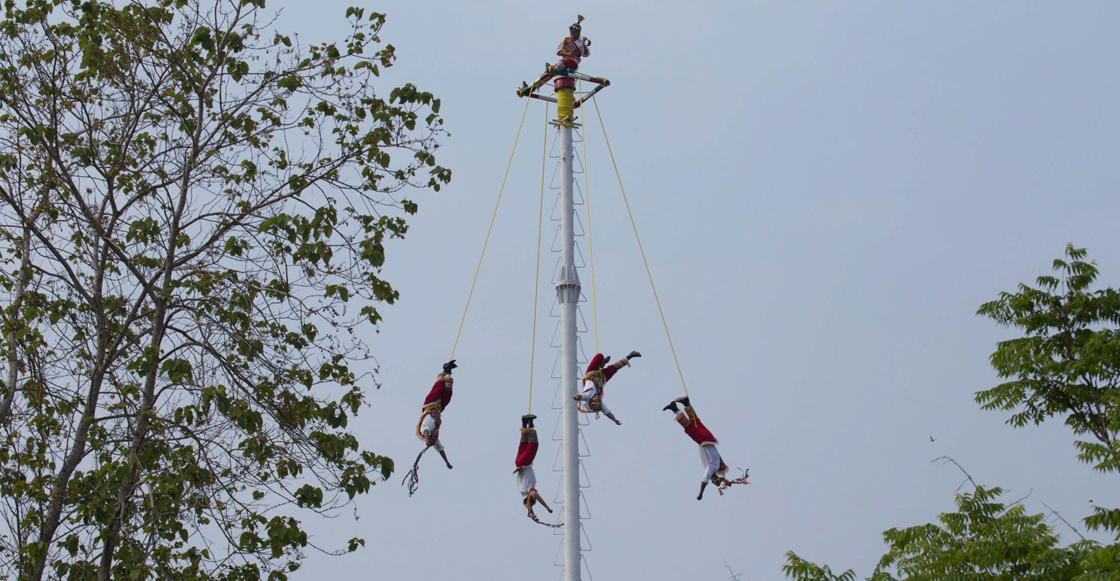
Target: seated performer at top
[
  {"x": 571, "y": 51},
  {"x": 526, "y": 478},
  {"x": 431, "y": 417},
  {"x": 590, "y": 400},
  {"x": 714, "y": 468}
]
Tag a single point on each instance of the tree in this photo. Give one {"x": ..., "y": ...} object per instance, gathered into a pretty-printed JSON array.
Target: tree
[
  {"x": 1067, "y": 364},
  {"x": 984, "y": 540},
  {"x": 193, "y": 217}
]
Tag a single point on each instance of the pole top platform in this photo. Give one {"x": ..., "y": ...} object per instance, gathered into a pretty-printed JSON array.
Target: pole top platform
[{"x": 564, "y": 79}]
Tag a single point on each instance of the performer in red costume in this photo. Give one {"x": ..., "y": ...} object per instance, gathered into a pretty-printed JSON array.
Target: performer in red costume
[
  {"x": 571, "y": 51},
  {"x": 431, "y": 416},
  {"x": 590, "y": 400},
  {"x": 442, "y": 389},
  {"x": 526, "y": 478},
  {"x": 714, "y": 468}
]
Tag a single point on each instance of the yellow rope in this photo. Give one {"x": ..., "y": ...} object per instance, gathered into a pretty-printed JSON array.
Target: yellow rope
[
  {"x": 634, "y": 225},
  {"x": 537, "y": 278},
  {"x": 590, "y": 245},
  {"x": 491, "y": 227}
]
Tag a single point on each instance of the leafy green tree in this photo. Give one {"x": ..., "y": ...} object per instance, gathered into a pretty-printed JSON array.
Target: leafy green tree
[
  {"x": 802, "y": 570},
  {"x": 193, "y": 216},
  {"x": 1066, "y": 364},
  {"x": 984, "y": 540}
]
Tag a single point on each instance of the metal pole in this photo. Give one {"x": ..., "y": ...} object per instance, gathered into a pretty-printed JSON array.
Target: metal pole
[{"x": 567, "y": 292}]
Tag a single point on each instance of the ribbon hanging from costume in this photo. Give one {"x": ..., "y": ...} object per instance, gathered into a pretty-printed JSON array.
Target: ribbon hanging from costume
[
  {"x": 534, "y": 518},
  {"x": 728, "y": 482},
  {"x": 413, "y": 476}
]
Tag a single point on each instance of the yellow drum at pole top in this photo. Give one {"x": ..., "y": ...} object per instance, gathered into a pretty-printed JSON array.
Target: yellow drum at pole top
[{"x": 565, "y": 104}]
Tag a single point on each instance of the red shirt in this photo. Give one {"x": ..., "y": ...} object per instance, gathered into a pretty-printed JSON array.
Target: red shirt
[
  {"x": 699, "y": 433},
  {"x": 440, "y": 393}
]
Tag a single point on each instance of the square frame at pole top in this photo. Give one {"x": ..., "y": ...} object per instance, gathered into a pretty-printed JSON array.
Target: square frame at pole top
[{"x": 534, "y": 91}]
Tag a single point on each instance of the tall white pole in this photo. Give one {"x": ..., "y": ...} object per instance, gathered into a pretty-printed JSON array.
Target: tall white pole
[{"x": 568, "y": 292}]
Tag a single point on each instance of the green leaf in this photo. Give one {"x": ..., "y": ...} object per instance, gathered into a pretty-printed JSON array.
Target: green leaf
[{"x": 290, "y": 83}]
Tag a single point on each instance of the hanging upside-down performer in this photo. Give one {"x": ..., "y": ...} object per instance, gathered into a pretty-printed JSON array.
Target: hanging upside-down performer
[
  {"x": 526, "y": 478},
  {"x": 571, "y": 51},
  {"x": 431, "y": 417},
  {"x": 590, "y": 400},
  {"x": 715, "y": 470},
  {"x": 440, "y": 394}
]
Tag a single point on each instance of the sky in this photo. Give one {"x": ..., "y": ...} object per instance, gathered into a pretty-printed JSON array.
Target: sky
[{"x": 826, "y": 193}]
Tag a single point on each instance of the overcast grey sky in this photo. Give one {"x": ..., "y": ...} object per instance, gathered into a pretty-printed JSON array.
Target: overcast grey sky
[{"x": 827, "y": 191}]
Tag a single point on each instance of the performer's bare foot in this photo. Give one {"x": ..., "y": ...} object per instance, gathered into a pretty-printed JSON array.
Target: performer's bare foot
[
  {"x": 549, "y": 509},
  {"x": 449, "y": 466},
  {"x": 701, "y": 497},
  {"x": 576, "y": 397}
]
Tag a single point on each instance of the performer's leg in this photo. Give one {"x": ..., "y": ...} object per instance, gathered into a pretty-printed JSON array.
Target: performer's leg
[
  {"x": 672, "y": 407},
  {"x": 551, "y": 70},
  {"x": 527, "y": 448},
  {"x": 521, "y": 446},
  {"x": 564, "y": 64}
]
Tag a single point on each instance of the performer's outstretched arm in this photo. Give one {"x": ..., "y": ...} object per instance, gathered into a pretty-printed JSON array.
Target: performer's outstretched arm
[
  {"x": 445, "y": 461},
  {"x": 586, "y": 396},
  {"x": 435, "y": 443},
  {"x": 537, "y": 495}
]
